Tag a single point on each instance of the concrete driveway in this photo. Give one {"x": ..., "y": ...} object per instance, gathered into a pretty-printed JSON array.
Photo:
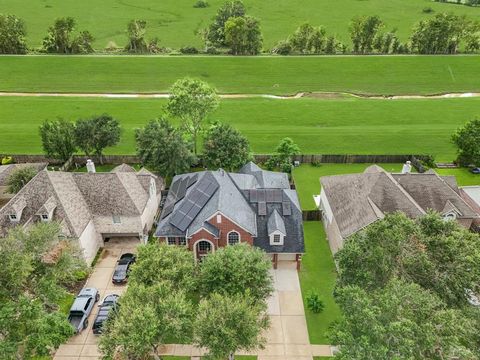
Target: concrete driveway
[
  {"x": 287, "y": 338},
  {"x": 84, "y": 345}
]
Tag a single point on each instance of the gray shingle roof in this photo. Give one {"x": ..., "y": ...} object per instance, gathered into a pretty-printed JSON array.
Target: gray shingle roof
[
  {"x": 232, "y": 199},
  {"x": 77, "y": 197},
  {"x": 123, "y": 168},
  {"x": 266, "y": 179},
  {"x": 275, "y": 223},
  {"x": 357, "y": 200}
]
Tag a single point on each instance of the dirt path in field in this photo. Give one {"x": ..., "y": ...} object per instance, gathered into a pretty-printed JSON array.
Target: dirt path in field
[{"x": 315, "y": 95}]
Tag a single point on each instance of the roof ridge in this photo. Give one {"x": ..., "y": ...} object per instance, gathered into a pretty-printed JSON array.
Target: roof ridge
[
  {"x": 126, "y": 190},
  {"x": 405, "y": 192},
  {"x": 67, "y": 217}
]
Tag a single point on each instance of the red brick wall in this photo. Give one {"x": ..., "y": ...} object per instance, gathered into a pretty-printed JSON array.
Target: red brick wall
[{"x": 225, "y": 226}]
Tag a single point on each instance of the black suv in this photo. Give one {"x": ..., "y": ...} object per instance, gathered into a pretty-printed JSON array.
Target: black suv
[{"x": 109, "y": 304}]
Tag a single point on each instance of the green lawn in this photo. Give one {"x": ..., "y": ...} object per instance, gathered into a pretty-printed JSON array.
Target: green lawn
[
  {"x": 277, "y": 75},
  {"x": 174, "y": 22},
  {"x": 307, "y": 178},
  {"x": 464, "y": 176},
  {"x": 318, "y": 274},
  {"x": 318, "y": 126},
  {"x": 66, "y": 303}
]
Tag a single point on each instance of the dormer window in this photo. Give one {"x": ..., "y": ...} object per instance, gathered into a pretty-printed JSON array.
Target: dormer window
[
  {"x": 449, "y": 216},
  {"x": 277, "y": 239},
  {"x": 13, "y": 218},
  {"x": 45, "y": 217},
  {"x": 116, "y": 219}
]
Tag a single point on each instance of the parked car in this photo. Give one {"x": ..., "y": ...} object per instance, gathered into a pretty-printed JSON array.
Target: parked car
[
  {"x": 122, "y": 269},
  {"x": 475, "y": 170},
  {"x": 108, "y": 305},
  {"x": 82, "y": 307}
]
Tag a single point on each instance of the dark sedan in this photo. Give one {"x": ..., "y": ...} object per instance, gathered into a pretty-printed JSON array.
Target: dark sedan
[
  {"x": 108, "y": 305},
  {"x": 122, "y": 269},
  {"x": 475, "y": 170}
]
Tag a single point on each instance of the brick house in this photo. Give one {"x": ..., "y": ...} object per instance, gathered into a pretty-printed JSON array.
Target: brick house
[{"x": 211, "y": 209}]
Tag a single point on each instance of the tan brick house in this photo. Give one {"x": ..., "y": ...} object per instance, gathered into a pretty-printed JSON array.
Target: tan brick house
[{"x": 211, "y": 209}]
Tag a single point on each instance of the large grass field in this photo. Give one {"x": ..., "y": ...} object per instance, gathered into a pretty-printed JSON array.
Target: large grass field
[
  {"x": 318, "y": 275},
  {"x": 385, "y": 75},
  {"x": 350, "y": 126},
  {"x": 175, "y": 22}
]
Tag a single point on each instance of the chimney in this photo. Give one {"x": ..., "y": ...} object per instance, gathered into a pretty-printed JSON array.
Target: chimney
[
  {"x": 90, "y": 166},
  {"x": 407, "y": 168}
]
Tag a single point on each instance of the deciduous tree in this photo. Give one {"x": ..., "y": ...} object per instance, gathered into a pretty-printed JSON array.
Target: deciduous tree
[
  {"x": 136, "y": 30},
  {"x": 192, "y": 101},
  {"x": 243, "y": 35},
  {"x": 95, "y": 134},
  {"x": 363, "y": 30},
  {"x": 466, "y": 138},
  {"x": 234, "y": 270},
  {"x": 58, "y": 138},
  {"x": 12, "y": 35},
  {"x": 148, "y": 317},
  {"x": 225, "y": 147},
  {"x": 283, "y": 157},
  {"x": 228, "y": 324},
  {"x": 19, "y": 178},
  {"x": 215, "y": 34},
  {"x": 438, "y": 255},
  {"x": 59, "y": 38},
  {"x": 400, "y": 321},
  {"x": 31, "y": 285},
  {"x": 162, "y": 148}
]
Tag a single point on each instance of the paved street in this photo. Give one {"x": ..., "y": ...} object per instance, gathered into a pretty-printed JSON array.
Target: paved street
[{"x": 84, "y": 345}]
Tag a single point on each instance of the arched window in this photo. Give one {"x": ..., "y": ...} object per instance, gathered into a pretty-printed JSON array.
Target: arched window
[{"x": 233, "y": 238}]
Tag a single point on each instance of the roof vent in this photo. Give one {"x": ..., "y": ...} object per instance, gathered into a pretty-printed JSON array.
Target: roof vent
[{"x": 90, "y": 166}]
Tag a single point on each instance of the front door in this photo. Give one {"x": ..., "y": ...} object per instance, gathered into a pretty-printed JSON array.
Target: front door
[{"x": 203, "y": 248}]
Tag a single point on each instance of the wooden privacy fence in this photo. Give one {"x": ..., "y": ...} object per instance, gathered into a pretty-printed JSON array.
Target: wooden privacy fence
[{"x": 259, "y": 158}]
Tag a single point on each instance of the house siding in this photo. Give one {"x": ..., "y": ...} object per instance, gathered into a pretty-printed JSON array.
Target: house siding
[{"x": 90, "y": 241}]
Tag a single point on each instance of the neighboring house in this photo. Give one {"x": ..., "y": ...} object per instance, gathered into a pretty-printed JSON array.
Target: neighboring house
[
  {"x": 471, "y": 194},
  {"x": 351, "y": 202},
  {"x": 92, "y": 207},
  {"x": 7, "y": 170},
  {"x": 211, "y": 209}
]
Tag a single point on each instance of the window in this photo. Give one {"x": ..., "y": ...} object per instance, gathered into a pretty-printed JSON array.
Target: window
[
  {"x": 276, "y": 238},
  {"x": 13, "y": 217},
  {"x": 449, "y": 216},
  {"x": 182, "y": 241},
  {"x": 204, "y": 246},
  {"x": 44, "y": 217},
  {"x": 116, "y": 219},
  {"x": 172, "y": 241},
  {"x": 233, "y": 238},
  {"x": 219, "y": 219}
]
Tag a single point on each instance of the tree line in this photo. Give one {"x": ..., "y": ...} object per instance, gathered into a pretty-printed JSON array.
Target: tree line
[{"x": 233, "y": 31}]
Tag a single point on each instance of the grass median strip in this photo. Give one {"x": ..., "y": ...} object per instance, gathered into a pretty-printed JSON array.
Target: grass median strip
[
  {"x": 353, "y": 126},
  {"x": 382, "y": 75}
]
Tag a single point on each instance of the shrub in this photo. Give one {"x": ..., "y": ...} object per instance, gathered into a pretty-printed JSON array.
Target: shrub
[
  {"x": 283, "y": 47},
  {"x": 189, "y": 50},
  {"x": 201, "y": 4},
  {"x": 314, "y": 303},
  {"x": 7, "y": 160},
  {"x": 212, "y": 50},
  {"x": 428, "y": 10}
]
